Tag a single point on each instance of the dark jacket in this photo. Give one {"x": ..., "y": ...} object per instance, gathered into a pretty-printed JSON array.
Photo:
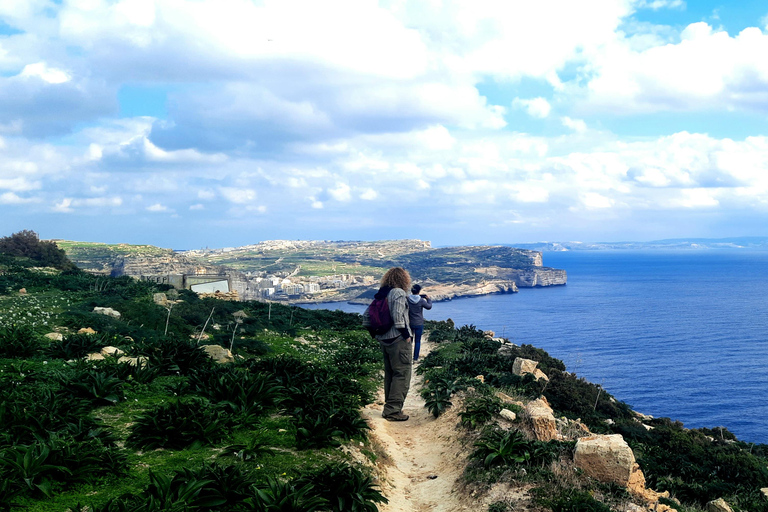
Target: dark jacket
[{"x": 416, "y": 306}]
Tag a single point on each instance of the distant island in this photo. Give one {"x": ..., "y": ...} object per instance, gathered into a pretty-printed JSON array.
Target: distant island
[
  {"x": 747, "y": 242},
  {"x": 321, "y": 271}
]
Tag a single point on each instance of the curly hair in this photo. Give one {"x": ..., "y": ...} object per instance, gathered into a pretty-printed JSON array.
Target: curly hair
[{"x": 396, "y": 277}]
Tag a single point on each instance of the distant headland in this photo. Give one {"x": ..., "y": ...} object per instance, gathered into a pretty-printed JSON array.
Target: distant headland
[{"x": 321, "y": 271}]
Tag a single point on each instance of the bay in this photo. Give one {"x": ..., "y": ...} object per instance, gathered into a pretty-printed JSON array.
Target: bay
[{"x": 676, "y": 334}]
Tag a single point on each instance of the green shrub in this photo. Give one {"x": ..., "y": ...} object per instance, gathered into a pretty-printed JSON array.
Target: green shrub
[
  {"x": 18, "y": 341},
  {"x": 479, "y": 409},
  {"x": 96, "y": 387},
  {"x": 345, "y": 488},
  {"x": 173, "y": 354},
  {"x": 497, "y": 447},
  {"x": 571, "y": 500},
  {"x": 77, "y": 346},
  {"x": 179, "y": 424}
]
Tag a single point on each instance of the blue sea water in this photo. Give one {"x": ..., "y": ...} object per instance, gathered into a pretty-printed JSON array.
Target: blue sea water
[{"x": 676, "y": 334}]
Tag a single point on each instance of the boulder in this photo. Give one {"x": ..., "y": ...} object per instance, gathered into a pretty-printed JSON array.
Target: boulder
[
  {"x": 106, "y": 311},
  {"x": 22, "y": 291},
  {"x": 522, "y": 366},
  {"x": 506, "y": 350},
  {"x": 609, "y": 458},
  {"x": 219, "y": 354},
  {"x": 764, "y": 490},
  {"x": 489, "y": 334},
  {"x": 86, "y": 330},
  {"x": 160, "y": 299},
  {"x": 718, "y": 505},
  {"x": 111, "y": 351},
  {"x": 541, "y": 420},
  {"x": 540, "y": 375},
  {"x": 509, "y": 400},
  {"x": 508, "y": 415},
  {"x": 481, "y": 378},
  {"x": 55, "y": 336},
  {"x": 94, "y": 357}
]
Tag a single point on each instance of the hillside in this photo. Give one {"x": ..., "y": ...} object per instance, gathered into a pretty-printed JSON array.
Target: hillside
[
  {"x": 292, "y": 421},
  {"x": 326, "y": 270}
]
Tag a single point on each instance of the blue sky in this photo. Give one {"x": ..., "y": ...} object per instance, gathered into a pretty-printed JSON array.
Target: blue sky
[{"x": 193, "y": 123}]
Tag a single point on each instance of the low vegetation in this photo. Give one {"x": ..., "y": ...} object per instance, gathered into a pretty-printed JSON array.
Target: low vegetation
[
  {"x": 694, "y": 465},
  {"x": 158, "y": 426}
]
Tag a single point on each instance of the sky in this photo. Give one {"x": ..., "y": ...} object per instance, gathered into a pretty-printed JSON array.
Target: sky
[{"x": 216, "y": 123}]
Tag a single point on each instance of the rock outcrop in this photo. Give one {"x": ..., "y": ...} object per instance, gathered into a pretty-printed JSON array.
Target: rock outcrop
[
  {"x": 106, "y": 311},
  {"x": 525, "y": 366},
  {"x": 718, "y": 505},
  {"x": 607, "y": 458},
  {"x": 541, "y": 420},
  {"x": 219, "y": 354}
]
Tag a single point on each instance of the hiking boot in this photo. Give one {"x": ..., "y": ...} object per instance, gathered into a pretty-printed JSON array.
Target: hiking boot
[{"x": 398, "y": 416}]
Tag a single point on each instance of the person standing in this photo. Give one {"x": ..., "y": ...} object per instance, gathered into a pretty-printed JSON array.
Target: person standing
[
  {"x": 395, "y": 343},
  {"x": 417, "y": 303}
]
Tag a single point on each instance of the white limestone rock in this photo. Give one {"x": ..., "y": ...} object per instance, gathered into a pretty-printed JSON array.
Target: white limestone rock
[
  {"x": 219, "y": 354},
  {"x": 508, "y": 415},
  {"x": 107, "y": 311}
]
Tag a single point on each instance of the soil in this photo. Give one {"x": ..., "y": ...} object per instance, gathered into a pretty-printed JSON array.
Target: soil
[{"x": 423, "y": 458}]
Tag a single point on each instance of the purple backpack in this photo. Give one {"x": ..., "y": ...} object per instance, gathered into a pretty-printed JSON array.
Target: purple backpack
[{"x": 379, "y": 317}]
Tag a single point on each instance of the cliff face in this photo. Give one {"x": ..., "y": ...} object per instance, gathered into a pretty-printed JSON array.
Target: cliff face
[
  {"x": 528, "y": 277},
  {"x": 540, "y": 276}
]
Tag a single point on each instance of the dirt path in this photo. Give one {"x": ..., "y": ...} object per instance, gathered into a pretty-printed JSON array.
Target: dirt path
[{"x": 424, "y": 458}]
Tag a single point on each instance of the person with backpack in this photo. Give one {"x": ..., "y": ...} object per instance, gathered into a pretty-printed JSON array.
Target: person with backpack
[
  {"x": 417, "y": 303},
  {"x": 387, "y": 321}
]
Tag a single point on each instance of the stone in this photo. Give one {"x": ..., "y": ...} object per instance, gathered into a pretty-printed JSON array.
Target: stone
[
  {"x": 522, "y": 366},
  {"x": 607, "y": 458},
  {"x": 509, "y": 400},
  {"x": 541, "y": 420},
  {"x": 94, "y": 357},
  {"x": 111, "y": 351},
  {"x": 540, "y": 375},
  {"x": 22, "y": 291},
  {"x": 506, "y": 350},
  {"x": 764, "y": 490},
  {"x": 718, "y": 505},
  {"x": 107, "y": 311},
  {"x": 489, "y": 334},
  {"x": 55, "y": 336},
  {"x": 481, "y": 378},
  {"x": 86, "y": 330},
  {"x": 160, "y": 299},
  {"x": 219, "y": 354},
  {"x": 508, "y": 415}
]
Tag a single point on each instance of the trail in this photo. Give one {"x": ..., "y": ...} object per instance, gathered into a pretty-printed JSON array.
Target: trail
[{"x": 424, "y": 458}]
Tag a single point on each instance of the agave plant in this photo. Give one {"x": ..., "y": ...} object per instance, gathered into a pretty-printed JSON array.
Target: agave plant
[
  {"x": 178, "y": 424},
  {"x": 496, "y": 447},
  {"x": 31, "y": 465},
  {"x": 95, "y": 386},
  {"x": 346, "y": 488},
  {"x": 253, "y": 449},
  {"x": 437, "y": 402},
  {"x": 276, "y": 496}
]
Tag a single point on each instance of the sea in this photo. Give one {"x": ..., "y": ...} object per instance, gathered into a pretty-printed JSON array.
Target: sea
[{"x": 679, "y": 334}]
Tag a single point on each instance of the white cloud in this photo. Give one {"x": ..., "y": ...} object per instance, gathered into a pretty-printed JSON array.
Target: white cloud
[
  {"x": 197, "y": 206},
  {"x": 341, "y": 192},
  {"x": 535, "y": 107},
  {"x": 707, "y": 69},
  {"x": 12, "y": 198},
  {"x": 576, "y": 125},
  {"x": 157, "y": 207},
  {"x": 47, "y": 74},
  {"x": 369, "y": 194},
  {"x": 238, "y": 195}
]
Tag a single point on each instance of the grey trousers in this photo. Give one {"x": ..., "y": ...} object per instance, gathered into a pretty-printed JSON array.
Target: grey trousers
[{"x": 398, "y": 360}]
